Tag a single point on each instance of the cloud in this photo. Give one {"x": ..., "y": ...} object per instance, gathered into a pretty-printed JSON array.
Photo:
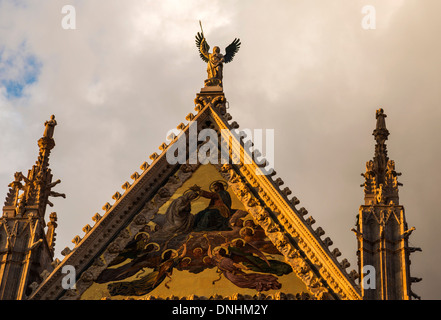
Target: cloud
[{"x": 18, "y": 70}]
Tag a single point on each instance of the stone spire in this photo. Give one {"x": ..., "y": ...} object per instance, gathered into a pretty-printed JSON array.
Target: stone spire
[
  {"x": 382, "y": 231},
  {"x": 30, "y": 194},
  {"x": 381, "y": 184},
  {"x": 381, "y": 134},
  {"x": 25, "y": 250}
]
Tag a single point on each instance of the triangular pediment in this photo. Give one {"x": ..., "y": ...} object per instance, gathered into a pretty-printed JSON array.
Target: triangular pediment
[{"x": 135, "y": 228}]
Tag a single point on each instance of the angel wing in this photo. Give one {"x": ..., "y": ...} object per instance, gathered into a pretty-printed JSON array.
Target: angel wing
[
  {"x": 231, "y": 50},
  {"x": 203, "y": 50}
]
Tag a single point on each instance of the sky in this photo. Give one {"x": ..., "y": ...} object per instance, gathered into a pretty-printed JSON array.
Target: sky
[{"x": 311, "y": 70}]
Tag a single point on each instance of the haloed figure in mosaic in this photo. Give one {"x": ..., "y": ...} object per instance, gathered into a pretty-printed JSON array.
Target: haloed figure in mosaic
[
  {"x": 234, "y": 272},
  {"x": 217, "y": 215}
]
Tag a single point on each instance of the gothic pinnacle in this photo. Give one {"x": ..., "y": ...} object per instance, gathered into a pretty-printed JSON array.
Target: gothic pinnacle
[
  {"x": 381, "y": 185},
  {"x": 381, "y": 134}
]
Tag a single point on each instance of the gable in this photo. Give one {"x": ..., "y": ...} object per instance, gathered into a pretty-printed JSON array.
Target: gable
[{"x": 260, "y": 196}]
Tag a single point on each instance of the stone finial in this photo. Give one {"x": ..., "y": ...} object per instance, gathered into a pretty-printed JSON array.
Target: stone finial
[
  {"x": 336, "y": 252},
  {"x": 310, "y": 221},
  {"x": 87, "y": 228},
  {"x": 163, "y": 146},
  {"x": 198, "y": 108},
  {"x": 328, "y": 242},
  {"x": 319, "y": 231},
  {"x": 97, "y": 217},
  {"x": 154, "y": 156},
  {"x": 107, "y": 207},
  {"x": 345, "y": 264},
  {"x": 116, "y": 196},
  {"x": 66, "y": 251},
  {"x": 295, "y": 201},
  {"x": 171, "y": 137},
  {"x": 126, "y": 186},
  {"x": 76, "y": 240},
  {"x": 279, "y": 182},
  {"x": 286, "y": 191},
  {"x": 354, "y": 275},
  {"x": 44, "y": 274},
  {"x": 234, "y": 125},
  {"x": 190, "y": 117},
  {"x": 303, "y": 211},
  {"x": 135, "y": 176}
]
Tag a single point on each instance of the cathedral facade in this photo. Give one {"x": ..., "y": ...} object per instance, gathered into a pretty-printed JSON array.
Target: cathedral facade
[{"x": 222, "y": 227}]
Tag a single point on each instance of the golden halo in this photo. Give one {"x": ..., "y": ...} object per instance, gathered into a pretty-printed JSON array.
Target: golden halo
[
  {"x": 173, "y": 250},
  {"x": 238, "y": 239},
  {"x": 206, "y": 260},
  {"x": 186, "y": 258},
  {"x": 225, "y": 184},
  {"x": 216, "y": 249},
  {"x": 157, "y": 246},
  {"x": 140, "y": 233},
  {"x": 244, "y": 229},
  {"x": 188, "y": 190},
  {"x": 197, "y": 249}
]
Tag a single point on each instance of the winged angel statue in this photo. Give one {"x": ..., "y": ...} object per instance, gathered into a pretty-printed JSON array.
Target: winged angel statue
[{"x": 215, "y": 60}]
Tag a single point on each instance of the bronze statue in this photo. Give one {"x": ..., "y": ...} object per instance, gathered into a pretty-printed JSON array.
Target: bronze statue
[{"x": 215, "y": 60}]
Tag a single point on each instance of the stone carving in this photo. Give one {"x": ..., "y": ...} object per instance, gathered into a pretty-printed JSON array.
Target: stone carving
[
  {"x": 96, "y": 217},
  {"x": 50, "y": 234},
  {"x": 87, "y": 228},
  {"x": 107, "y": 207},
  {"x": 310, "y": 220},
  {"x": 319, "y": 231},
  {"x": 116, "y": 196},
  {"x": 76, "y": 240},
  {"x": 303, "y": 211},
  {"x": 66, "y": 251},
  {"x": 114, "y": 247},
  {"x": 328, "y": 242},
  {"x": 336, "y": 252},
  {"x": 49, "y": 127},
  {"x": 87, "y": 276},
  {"x": 345, "y": 264}
]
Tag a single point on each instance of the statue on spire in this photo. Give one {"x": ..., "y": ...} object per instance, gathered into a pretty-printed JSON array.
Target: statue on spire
[
  {"x": 380, "y": 115},
  {"x": 49, "y": 127},
  {"x": 215, "y": 60}
]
